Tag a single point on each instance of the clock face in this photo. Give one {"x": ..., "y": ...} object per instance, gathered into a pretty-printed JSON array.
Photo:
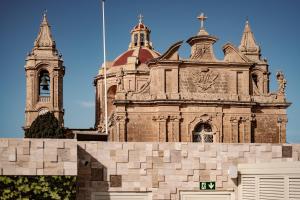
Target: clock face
[{"x": 43, "y": 111}]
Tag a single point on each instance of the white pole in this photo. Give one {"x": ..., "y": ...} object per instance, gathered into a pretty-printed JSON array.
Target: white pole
[{"x": 104, "y": 65}]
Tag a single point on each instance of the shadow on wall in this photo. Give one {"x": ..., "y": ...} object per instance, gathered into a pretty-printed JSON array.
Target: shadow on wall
[{"x": 91, "y": 178}]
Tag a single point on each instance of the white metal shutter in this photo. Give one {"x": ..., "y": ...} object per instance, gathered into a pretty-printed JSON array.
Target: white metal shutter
[
  {"x": 271, "y": 188},
  {"x": 294, "y": 188},
  {"x": 248, "y": 188}
]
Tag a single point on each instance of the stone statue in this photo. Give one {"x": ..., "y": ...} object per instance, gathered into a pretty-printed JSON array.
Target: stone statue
[
  {"x": 120, "y": 81},
  {"x": 281, "y": 83}
]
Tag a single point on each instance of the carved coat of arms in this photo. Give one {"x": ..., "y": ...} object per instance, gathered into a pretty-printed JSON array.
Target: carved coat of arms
[
  {"x": 204, "y": 79},
  {"x": 199, "y": 52}
]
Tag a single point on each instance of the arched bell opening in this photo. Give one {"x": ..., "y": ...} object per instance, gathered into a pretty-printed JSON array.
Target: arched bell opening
[
  {"x": 44, "y": 86},
  {"x": 203, "y": 133},
  {"x": 142, "y": 39}
]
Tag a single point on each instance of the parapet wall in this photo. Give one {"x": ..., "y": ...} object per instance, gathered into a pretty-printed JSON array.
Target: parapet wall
[
  {"x": 38, "y": 157},
  {"x": 165, "y": 169},
  {"x": 162, "y": 169}
]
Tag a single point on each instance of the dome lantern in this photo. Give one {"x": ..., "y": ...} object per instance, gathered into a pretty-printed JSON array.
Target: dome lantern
[{"x": 140, "y": 35}]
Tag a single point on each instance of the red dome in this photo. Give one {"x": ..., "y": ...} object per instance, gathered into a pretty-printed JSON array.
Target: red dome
[
  {"x": 139, "y": 27},
  {"x": 122, "y": 59},
  {"x": 144, "y": 55}
]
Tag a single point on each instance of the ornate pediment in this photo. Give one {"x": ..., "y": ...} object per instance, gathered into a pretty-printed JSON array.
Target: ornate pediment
[{"x": 232, "y": 54}]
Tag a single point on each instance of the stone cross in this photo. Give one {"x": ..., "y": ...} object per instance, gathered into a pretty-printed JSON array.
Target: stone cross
[
  {"x": 140, "y": 18},
  {"x": 202, "y": 18}
]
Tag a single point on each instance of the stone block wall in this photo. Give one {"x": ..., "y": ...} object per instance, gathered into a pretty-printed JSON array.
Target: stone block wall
[
  {"x": 165, "y": 169},
  {"x": 38, "y": 157}
]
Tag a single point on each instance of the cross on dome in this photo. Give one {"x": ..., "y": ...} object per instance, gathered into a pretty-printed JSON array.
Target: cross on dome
[
  {"x": 45, "y": 12},
  {"x": 140, "y": 18},
  {"x": 202, "y": 18}
]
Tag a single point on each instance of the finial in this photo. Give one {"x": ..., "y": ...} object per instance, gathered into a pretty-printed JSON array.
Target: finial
[
  {"x": 140, "y": 18},
  {"x": 45, "y": 13},
  {"x": 202, "y": 18}
]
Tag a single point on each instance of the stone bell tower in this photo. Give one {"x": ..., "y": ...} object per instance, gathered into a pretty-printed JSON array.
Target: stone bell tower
[{"x": 44, "y": 77}]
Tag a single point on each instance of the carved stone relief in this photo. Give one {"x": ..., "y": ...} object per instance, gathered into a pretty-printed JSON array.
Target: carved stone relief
[
  {"x": 200, "y": 51},
  {"x": 197, "y": 80}
]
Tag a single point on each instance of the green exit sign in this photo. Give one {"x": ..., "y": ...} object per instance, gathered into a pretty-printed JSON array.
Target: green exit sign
[{"x": 208, "y": 185}]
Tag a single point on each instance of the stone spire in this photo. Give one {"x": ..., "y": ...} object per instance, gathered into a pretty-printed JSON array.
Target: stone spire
[
  {"x": 248, "y": 45},
  {"x": 44, "y": 39}
]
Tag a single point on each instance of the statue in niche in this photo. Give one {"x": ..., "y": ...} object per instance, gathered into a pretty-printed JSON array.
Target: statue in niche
[
  {"x": 120, "y": 80},
  {"x": 281, "y": 83},
  {"x": 255, "y": 82}
]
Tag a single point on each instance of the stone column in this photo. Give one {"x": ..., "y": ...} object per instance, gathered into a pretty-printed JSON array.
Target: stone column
[
  {"x": 234, "y": 130},
  {"x": 121, "y": 131},
  {"x": 266, "y": 82},
  {"x": 174, "y": 133},
  {"x": 161, "y": 127},
  {"x": 55, "y": 89},
  {"x": 219, "y": 133},
  {"x": 283, "y": 130},
  {"x": 281, "y": 123}
]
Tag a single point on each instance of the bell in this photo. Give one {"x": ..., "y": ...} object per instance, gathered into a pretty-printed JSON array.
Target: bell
[{"x": 44, "y": 83}]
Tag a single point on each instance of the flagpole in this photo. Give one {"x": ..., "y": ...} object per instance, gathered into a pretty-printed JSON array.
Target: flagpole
[{"x": 104, "y": 65}]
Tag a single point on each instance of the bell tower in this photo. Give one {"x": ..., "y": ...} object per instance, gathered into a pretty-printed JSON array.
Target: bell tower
[{"x": 44, "y": 77}]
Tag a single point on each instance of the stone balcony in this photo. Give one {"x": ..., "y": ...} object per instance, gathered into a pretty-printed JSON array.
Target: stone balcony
[{"x": 44, "y": 99}]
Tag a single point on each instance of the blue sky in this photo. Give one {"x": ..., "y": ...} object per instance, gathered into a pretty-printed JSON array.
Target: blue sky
[{"x": 76, "y": 27}]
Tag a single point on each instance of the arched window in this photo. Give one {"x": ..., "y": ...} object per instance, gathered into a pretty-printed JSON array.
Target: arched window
[
  {"x": 142, "y": 39},
  {"x": 44, "y": 83},
  {"x": 135, "y": 39},
  {"x": 203, "y": 133},
  {"x": 110, "y": 99}
]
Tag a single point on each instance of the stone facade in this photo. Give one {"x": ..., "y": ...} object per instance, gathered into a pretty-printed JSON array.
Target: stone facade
[
  {"x": 162, "y": 97},
  {"x": 44, "y": 78}
]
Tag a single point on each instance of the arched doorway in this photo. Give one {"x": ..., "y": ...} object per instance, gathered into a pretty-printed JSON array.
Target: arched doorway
[{"x": 203, "y": 133}]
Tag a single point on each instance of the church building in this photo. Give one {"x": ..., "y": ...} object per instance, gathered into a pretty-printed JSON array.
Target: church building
[
  {"x": 166, "y": 98},
  {"x": 161, "y": 97},
  {"x": 178, "y": 128}
]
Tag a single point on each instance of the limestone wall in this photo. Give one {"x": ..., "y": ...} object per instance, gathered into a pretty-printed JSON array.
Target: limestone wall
[
  {"x": 38, "y": 157},
  {"x": 165, "y": 169}
]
